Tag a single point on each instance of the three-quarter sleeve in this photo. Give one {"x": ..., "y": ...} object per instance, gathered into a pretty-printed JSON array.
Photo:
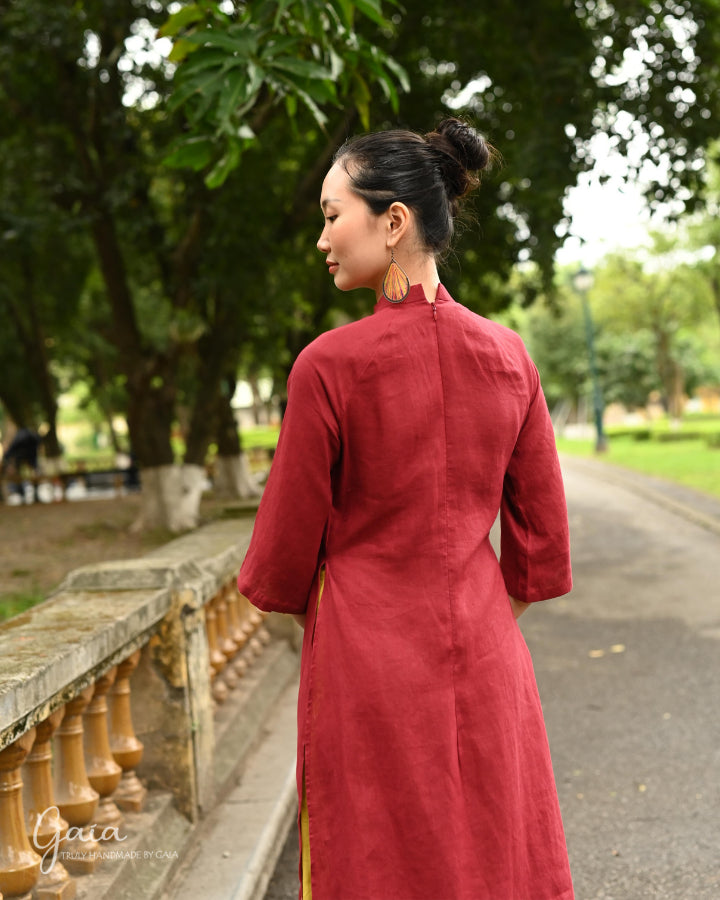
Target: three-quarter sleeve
[
  {"x": 534, "y": 536},
  {"x": 282, "y": 558}
]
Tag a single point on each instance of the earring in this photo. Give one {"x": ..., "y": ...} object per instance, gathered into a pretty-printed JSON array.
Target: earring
[{"x": 396, "y": 284}]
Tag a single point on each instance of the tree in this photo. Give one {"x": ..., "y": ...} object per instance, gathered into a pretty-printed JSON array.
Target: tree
[
  {"x": 43, "y": 263},
  {"x": 193, "y": 277},
  {"x": 703, "y": 230},
  {"x": 663, "y": 301},
  {"x": 148, "y": 226},
  {"x": 540, "y": 79}
]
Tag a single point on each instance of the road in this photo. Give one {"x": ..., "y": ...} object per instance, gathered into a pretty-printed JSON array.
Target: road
[{"x": 628, "y": 667}]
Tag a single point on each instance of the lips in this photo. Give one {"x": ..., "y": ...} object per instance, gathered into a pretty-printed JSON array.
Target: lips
[{"x": 332, "y": 266}]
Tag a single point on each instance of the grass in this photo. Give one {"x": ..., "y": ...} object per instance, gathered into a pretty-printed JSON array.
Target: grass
[
  {"x": 15, "y": 603},
  {"x": 262, "y": 436},
  {"x": 689, "y": 461}
]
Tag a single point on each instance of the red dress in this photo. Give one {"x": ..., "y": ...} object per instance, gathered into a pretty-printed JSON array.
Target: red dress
[{"x": 420, "y": 734}]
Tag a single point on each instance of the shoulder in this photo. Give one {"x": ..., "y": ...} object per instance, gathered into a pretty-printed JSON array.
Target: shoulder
[
  {"x": 347, "y": 345},
  {"x": 488, "y": 328},
  {"x": 498, "y": 342},
  {"x": 330, "y": 367}
]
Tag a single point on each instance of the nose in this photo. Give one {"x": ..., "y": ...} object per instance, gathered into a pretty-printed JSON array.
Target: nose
[{"x": 323, "y": 243}]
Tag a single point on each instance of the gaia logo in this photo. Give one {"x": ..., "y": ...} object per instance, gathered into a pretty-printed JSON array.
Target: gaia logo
[{"x": 52, "y": 845}]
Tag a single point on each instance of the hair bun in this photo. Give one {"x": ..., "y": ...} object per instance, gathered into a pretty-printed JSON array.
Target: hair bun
[{"x": 463, "y": 152}]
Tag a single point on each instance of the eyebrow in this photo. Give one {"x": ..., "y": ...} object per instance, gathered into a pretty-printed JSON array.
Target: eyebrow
[{"x": 327, "y": 200}]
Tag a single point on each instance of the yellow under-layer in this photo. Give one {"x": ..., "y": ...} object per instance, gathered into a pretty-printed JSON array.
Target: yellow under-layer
[{"x": 304, "y": 818}]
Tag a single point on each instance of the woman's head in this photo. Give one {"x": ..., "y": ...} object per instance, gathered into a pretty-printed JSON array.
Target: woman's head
[
  {"x": 429, "y": 174},
  {"x": 397, "y": 191}
]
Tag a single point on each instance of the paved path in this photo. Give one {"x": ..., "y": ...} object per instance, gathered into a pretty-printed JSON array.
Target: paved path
[{"x": 629, "y": 671}]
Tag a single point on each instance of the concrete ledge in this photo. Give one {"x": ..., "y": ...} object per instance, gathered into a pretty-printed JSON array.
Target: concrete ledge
[
  {"x": 100, "y": 614},
  {"x": 262, "y": 861},
  {"x": 234, "y": 855},
  {"x": 51, "y": 652},
  {"x": 239, "y": 720},
  {"x": 141, "y": 865}
]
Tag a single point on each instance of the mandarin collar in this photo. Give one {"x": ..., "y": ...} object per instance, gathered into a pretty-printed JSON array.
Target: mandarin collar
[{"x": 416, "y": 296}]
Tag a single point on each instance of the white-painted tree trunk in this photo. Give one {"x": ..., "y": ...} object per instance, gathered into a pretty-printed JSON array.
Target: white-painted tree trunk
[
  {"x": 170, "y": 497},
  {"x": 233, "y": 478}
]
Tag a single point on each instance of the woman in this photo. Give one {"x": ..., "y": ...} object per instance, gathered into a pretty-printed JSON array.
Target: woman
[{"x": 423, "y": 765}]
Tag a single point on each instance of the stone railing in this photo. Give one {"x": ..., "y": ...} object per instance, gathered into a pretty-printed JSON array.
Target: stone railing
[{"x": 127, "y": 701}]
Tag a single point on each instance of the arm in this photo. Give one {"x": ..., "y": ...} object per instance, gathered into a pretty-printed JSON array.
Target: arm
[
  {"x": 282, "y": 559},
  {"x": 535, "y": 547},
  {"x": 518, "y": 607}
]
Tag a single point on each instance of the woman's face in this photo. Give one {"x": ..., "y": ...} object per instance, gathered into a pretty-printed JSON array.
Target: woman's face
[{"x": 353, "y": 240}]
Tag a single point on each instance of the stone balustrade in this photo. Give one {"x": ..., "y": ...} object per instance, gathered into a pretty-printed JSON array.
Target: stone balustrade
[{"x": 127, "y": 700}]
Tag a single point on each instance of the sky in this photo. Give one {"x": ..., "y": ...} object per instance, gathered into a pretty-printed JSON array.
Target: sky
[
  {"x": 604, "y": 217},
  {"x": 609, "y": 216}
]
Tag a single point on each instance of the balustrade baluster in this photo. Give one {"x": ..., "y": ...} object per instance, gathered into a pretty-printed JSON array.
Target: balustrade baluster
[
  {"x": 226, "y": 645},
  {"x": 263, "y": 634},
  {"x": 127, "y": 749},
  {"x": 217, "y": 659},
  {"x": 19, "y": 863},
  {"x": 103, "y": 772},
  {"x": 76, "y": 799},
  {"x": 45, "y": 826},
  {"x": 253, "y": 646},
  {"x": 239, "y": 638},
  {"x": 255, "y": 620}
]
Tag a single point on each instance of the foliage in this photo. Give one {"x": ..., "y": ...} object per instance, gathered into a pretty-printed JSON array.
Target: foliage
[
  {"x": 42, "y": 267},
  {"x": 662, "y": 298},
  {"x": 155, "y": 289},
  {"x": 236, "y": 66},
  {"x": 644, "y": 70},
  {"x": 703, "y": 230},
  {"x": 556, "y": 341},
  {"x": 627, "y": 367}
]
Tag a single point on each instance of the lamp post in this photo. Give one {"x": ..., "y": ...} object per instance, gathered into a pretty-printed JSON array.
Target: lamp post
[{"x": 582, "y": 282}]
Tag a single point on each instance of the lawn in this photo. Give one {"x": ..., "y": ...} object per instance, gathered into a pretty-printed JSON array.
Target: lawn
[{"x": 684, "y": 456}]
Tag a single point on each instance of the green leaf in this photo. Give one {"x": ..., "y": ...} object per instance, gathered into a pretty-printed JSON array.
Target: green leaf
[
  {"x": 220, "y": 171},
  {"x": 194, "y": 153},
  {"x": 180, "y": 20},
  {"x": 280, "y": 44},
  {"x": 373, "y": 10},
  {"x": 301, "y": 67},
  {"x": 240, "y": 90},
  {"x": 206, "y": 58},
  {"x": 305, "y": 98},
  {"x": 291, "y": 105},
  {"x": 398, "y": 71},
  {"x": 361, "y": 99},
  {"x": 196, "y": 86},
  {"x": 242, "y": 41},
  {"x": 180, "y": 50},
  {"x": 281, "y": 7},
  {"x": 345, "y": 10},
  {"x": 337, "y": 64}
]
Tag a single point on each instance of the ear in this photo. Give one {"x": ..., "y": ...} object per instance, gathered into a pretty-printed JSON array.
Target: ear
[{"x": 399, "y": 220}]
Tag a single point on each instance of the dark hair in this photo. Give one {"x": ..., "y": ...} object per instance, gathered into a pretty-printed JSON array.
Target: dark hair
[{"x": 428, "y": 173}]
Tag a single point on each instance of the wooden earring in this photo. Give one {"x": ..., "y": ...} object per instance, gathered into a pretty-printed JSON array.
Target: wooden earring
[{"x": 396, "y": 284}]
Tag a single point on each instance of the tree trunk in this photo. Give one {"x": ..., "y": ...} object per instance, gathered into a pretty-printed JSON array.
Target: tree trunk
[
  {"x": 715, "y": 288},
  {"x": 233, "y": 477},
  {"x": 170, "y": 497},
  {"x": 257, "y": 401},
  {"x": 671, "y": 375}
]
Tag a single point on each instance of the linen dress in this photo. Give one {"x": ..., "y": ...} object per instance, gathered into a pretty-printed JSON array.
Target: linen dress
[{"x": 422, "y": 751}]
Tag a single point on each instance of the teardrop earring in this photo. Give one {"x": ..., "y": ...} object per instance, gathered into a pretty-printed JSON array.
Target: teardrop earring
[{"x": 396, "y": 284}]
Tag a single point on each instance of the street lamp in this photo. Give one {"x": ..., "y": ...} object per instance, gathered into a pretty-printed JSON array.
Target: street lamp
[{"x": 582, "y": 282}]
